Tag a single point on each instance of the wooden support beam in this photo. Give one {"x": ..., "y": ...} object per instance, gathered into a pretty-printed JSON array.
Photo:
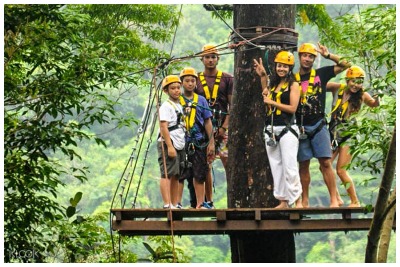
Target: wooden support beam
[
  {"x": 222, "y": 221},
  {"x": 214, "y": 227},
  {"x": 257, "y": 215},
  {"x": 294, "y": 216},
  {"x": 118, "y": 216},
  {"x": 221, "y": 216}
]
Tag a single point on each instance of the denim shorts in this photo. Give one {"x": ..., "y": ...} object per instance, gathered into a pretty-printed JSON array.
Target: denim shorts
[{"x": 318, "y": 147}]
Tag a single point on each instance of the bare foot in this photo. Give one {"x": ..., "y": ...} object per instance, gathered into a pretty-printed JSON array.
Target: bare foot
[
  {"x": 357, "y": 204},
  {"x": 298, "y": 203},
  {"x": 340, "y": 202},
  {"x": 282, "y": 205}
]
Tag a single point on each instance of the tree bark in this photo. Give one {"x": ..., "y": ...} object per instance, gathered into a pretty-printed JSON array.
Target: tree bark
[
  {"x": 380, "y": 213},
  {"x": 387, "y": 230},
  {"x": 249, "y": 179}
]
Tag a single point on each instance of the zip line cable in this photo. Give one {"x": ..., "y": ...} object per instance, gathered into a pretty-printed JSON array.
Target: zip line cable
[
  {"x": 141, "y": 129},
  {"x": 145, "y": 156},
  {"x": 176, "y": 29},
  {"x": 223, "y": 20}
]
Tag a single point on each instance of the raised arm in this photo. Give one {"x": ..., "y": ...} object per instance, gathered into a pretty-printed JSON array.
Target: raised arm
[
  {"x": 340, "y": 66},
  {"x": 332, "y": 87},
  {"x": 369, "y": 100},
  {"x": 260, "y": 70}
]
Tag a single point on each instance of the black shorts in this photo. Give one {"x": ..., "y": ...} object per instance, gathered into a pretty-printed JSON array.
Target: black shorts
[{"x": 199, "y": 168}]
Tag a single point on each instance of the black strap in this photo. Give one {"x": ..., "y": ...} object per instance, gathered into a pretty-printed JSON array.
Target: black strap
[
  {"x": 171, "y": 128},
  {"x": 284, "y": 131},
  {"x": 174, "y": 127},
  {"x": 316, "y": 130}
]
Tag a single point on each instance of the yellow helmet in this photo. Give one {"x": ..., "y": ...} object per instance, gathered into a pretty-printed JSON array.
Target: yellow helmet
[
  {"x": 308, "y": 48},
  {"x": 355, "y": 72},
  {"x": 170, "y": 79},
  {"x": 188, "y": 71},
  {"x": 209, "y": 49},
  {"x": 284, "y": 57}
]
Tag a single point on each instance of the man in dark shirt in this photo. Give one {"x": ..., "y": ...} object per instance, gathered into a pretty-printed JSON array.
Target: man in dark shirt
[{"x": 217, "y": 87}]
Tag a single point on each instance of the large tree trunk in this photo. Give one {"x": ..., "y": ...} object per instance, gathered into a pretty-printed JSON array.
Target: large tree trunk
[
  {"x": 249, "y": 178},
  {"x": 381, "y": 207},
  {"x": 387, "y": 230}
]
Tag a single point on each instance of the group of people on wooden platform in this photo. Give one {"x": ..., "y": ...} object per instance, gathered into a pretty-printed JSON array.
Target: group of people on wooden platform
[{"x": 194, "y": 126}]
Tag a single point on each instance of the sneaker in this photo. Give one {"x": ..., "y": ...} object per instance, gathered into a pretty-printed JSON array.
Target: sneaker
[
  {"x": 179, "y": 206},
  {"x": 168, "y": 206},
  {"x": 210, "y": 204},
  {"x": 205, "y": 206}
]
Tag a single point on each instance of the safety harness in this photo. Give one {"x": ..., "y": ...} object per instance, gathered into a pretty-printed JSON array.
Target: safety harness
[
  {"x": 335, "y": 119},
  {"x": 179, "y": 114},
  {"x": 308, "y": 89},
  {"x": 339, "y": 101},
  {"x": 213, "y": 98},
  {"x": 190, "y": 109},
  {"x": 190, "y": 119},
  {"x": 277, "y": 97}
]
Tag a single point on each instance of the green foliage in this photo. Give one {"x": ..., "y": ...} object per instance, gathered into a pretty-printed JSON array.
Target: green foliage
[
  {"x": 372, "y": 133},
  {"x": 65, "y": 69},
  {"x": 80, "y": 239},
  {"x": 321, "y": 252},
  {"x": 207, "y": 254},
  {"x": 165, "y": 251},
  {"x": 373, "y": 32}
]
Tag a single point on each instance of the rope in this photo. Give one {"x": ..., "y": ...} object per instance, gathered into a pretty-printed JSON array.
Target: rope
[
  {"x": 173, "y": 40},
  {"x": 255, "y": 38}
]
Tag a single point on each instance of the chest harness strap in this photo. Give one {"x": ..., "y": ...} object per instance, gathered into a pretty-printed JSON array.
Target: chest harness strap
[
  {"x": 277, "y": 98},
  {"x": 275, "y": 139},
  {"x": 179, "y": 115},
  {"x": 306, "y": 90},
  {"x": 203, "y": 81},
  {"x": 344, "y": 106},
  {"x": 190, "y": 119}
]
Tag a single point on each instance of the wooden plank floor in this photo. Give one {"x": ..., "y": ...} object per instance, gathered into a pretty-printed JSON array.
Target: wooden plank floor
[{"x": 225, "y": 221}]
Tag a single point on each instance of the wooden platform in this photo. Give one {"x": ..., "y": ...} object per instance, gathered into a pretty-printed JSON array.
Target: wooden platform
[{"x": 225, "y": 221}]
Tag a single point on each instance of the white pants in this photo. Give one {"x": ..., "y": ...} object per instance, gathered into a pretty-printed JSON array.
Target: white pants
[{"x": 283, "y": 163}]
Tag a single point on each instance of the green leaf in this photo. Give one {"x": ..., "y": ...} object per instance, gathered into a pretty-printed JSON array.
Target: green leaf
[
  {"x": 74, "y": 202},
  {"x": 149, "y": 249},
  {"x": 71, "y": 211}
]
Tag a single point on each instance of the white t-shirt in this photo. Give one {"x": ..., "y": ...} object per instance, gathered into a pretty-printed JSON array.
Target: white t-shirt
[{"x": 168, "y": 112}]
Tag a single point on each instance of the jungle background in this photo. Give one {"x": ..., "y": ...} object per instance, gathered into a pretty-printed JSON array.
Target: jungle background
[{"x": 77, "y": 81}]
